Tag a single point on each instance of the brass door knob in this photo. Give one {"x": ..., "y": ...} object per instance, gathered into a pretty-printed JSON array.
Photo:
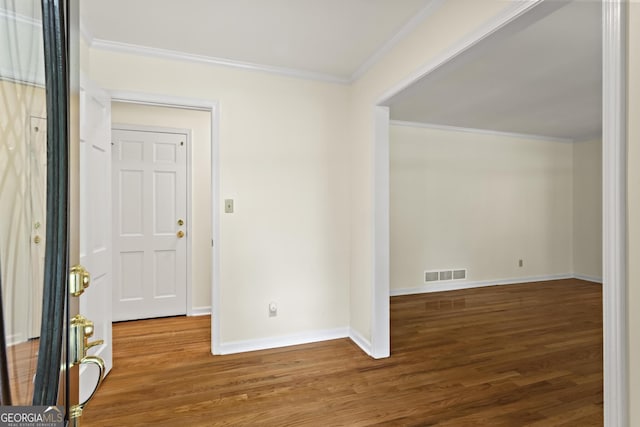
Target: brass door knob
[
  {"x": 180, "y": 234},
  {"x": 37, "y": 240}
]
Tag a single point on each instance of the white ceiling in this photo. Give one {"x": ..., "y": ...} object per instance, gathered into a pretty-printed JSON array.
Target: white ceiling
[
  {"x": 327, "y": 37},
  {"x": 541, "y": 75}
]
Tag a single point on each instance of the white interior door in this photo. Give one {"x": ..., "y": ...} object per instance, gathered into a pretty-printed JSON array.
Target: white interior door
[
  {"x": 38, "y": 201},
  {"x": 149, "y": 208},
  {"x": 95, "y": 222}
]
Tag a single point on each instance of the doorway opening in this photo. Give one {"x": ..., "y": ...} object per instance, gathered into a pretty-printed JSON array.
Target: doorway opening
[
  {"x": 613, "y": 198},
  {"x": 202, "y": 224}
]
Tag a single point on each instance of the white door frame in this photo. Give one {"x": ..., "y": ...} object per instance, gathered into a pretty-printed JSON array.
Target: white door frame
[
  {"x": 188, "y": 216},
  {"x": 213, "y": 108},
  {"x": 616, "y": 406}
]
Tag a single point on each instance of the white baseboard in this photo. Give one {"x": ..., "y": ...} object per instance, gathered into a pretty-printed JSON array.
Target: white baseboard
[
  {"x": 360, "y": 341},
  {"x": 14, "y": 339},
  {"x": 199, "y": 311},
  {"x": 283, "y": 341},
  {"x": 588, "y": 278},
  {"x": 458, "y": 285},
  {"x": 355, "y": 336}
]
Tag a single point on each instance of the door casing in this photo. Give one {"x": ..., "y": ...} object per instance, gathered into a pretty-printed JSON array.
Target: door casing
[{"x": 212, "y": 107}]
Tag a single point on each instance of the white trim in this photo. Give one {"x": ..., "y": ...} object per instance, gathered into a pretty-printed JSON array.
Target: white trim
[
  {"x": 614, "y": 144},
  {"x": 200, "y": 311},
  {"x": 213, "y": 108},
  {"x": 447, "y": 128},
  {"x": 15, "y": 339},
  {"x": 283, "y": 341},
  {"x": 146, "y": 128},
  {"x": 189, "y": 214},
  {"x": 360, "y": 341},
  {"x": 144, "y": 98},
  {"x": 216, "y": 282},
  {"x": 407, "y": 28},
  {"x": 202, "y": 59},
  {"x": 456, "y": 285},
  {"x": 588, "y": 278},
  {"x": 380, "y": 330}
]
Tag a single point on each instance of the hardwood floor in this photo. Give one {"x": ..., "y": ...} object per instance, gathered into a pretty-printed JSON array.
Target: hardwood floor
[
  {"x": 514, "y": 355},
  {"x": 22, "y": 360}
]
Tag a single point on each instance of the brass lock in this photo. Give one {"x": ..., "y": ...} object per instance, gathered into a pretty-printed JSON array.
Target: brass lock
[
  {"x": 37, "y": 240},
  {"x": 79, "y": 280},
  {"x": 80, "y": 330},
  {"x": 181, "y": 222},
  {"x": 180, "y": 234}
]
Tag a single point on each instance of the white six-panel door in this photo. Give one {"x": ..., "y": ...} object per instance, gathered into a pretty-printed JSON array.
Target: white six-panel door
[{"x": 149, "y": 228}]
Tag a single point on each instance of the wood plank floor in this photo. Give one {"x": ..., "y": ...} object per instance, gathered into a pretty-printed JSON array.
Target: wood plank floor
[
  {"x": 22, "y": 360},
  {"x": 514, "y": 355}
]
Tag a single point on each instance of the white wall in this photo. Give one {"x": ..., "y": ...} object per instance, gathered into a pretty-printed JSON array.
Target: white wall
[
  {"x": 301, "y": 235},
  {"x": 481, "y": 202},
  {"x": 633, "y": 195},
  {"x": 587, "y": 209},
  {"x": 284, "y": 160},
  {"x": 199, "y": 124}
]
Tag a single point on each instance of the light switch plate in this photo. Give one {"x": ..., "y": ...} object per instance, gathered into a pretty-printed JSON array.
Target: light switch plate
[{"x": 228, "y": 206}]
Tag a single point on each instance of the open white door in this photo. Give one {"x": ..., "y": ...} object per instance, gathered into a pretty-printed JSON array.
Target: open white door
[{"x": 95, "y": 223}]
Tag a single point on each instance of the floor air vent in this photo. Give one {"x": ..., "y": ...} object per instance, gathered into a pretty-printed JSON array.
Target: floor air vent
[
  {"x": 460, "y": 274},
  {"x": 431, "y": 276},
  {"x": 445, "y": 275}
]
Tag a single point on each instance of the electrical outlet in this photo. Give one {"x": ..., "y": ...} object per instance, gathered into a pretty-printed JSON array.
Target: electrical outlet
[
  {"x": 520, "y": 263},
  {"x": 273, "y": 309},
  {"x": 228, "y": 206}
]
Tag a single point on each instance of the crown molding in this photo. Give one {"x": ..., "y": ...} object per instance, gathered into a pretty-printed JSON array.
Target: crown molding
[
  {"x": 407, "y": 28},
  {"x": 33, "y": 78},
  {"x": 479, "y": 131},
  {"x": 16, "y": 17},
  {"x": 202, "y": 59}
]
